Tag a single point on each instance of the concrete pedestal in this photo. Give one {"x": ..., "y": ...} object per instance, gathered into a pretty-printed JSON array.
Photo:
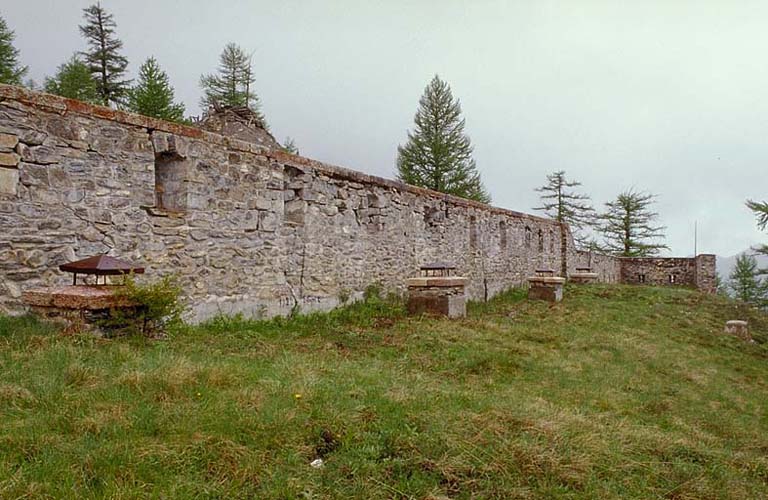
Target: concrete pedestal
[
  {"x": 549, "y": 288},
  {"x": 439, "y": 296}
]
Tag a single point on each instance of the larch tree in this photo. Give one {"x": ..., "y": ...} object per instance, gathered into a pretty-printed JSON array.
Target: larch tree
[
  {"x": 232, "y": 84},
  {"x": 565, "y": 204},
  {"x": 153, "y": 94},
  {"x": 438, "y": 154},
  {"x": 11, "y": 70},
  {"x": 289, "y": 146},
  {"x": 74, "y": 80},
  {"x": 106, "y": 63},
  {"x": 760, "y": 209},
  {"x": 629, "y": 226},
  {"x": 745, "y": 283}
]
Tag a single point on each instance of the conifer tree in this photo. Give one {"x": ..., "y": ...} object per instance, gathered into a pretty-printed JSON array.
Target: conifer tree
[
  {"x": 11, "y": 71},
  {"x": 103, "y": 56},
  {"x": 438, "y": 154},
  {"x": 760, "y": 209},
  {"x": 564, "y": 204},
  {"x": 73, "y": 79},
  {"x": 289, "y": 146},
  {"x": 231, "y": 86},
  {"x": 745, "y": 283},
  {"x": 628, "y": 226},
  {"x": 153, "y": 94}
]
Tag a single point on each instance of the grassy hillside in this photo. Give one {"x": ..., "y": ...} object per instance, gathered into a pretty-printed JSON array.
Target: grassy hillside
[{"x": 618, "y": 392}]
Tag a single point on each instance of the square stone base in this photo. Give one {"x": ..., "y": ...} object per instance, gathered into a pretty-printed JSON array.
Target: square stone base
[
  {"x": 437, "y": 296},
  {"x": 437, "y": 304},
  {"x": 583, "y": 278},
  {"x": 547, "y": 288},
  {"x": 548, "y": 293}
]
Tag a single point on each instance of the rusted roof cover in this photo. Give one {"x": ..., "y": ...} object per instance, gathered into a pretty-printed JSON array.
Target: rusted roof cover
[
  {"x": 436, "y": 266},
  {"x": 101, "y": 265}
]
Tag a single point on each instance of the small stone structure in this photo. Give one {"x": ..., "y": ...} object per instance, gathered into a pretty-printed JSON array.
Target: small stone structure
[
  {"x": 438, "y": 293},
  {"x": 696, "y": 271},
  {"x": 83, "y": 305},
  {"x": 739, "y": 329},
  {"x": 546, "y": 286},
  {"x": 583, "y": 276}
]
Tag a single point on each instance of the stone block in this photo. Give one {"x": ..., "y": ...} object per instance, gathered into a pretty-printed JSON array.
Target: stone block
[
  {"x": 739, "y": 329},
  {"x": 170, "y": 145},
  {"x": 295, "y": 211},
  {"x": 9, "y": 181},
  {"x": 549, "y": 288},
  {"x": 42, "y": 155},
  {"x": 8, "y": 141},
  {"x": 32, "y": 137},
  {"x": 437, "y": 296},
  {"x": 583, "y": 278},
  {"x": 8, "y": 159},
  {"x": 268, "y": 222}
]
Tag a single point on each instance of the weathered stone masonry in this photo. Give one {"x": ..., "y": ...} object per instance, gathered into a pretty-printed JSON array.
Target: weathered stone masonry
[{"x": 247, "y": 228}]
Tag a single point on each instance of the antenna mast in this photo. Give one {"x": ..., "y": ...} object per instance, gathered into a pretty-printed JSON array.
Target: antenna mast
[{"x": 695, "y": 238}]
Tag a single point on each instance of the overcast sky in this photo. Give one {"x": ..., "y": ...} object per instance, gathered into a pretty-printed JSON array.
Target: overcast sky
[{"x": 669, "y": 97}]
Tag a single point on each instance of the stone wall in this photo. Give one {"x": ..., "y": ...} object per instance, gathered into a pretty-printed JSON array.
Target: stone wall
[
  {"x": 706, "y": 273},
  {"x": 607, "y": 267},
  {"x": 247, "y": 228},
  {"x": 697, "y": 272}
]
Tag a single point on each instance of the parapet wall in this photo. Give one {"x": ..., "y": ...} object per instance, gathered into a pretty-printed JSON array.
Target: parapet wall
[{"x": 246, "y": 228}]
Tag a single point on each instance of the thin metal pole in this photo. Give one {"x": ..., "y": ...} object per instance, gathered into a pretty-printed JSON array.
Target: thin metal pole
[{"x": 695, "y": 238}]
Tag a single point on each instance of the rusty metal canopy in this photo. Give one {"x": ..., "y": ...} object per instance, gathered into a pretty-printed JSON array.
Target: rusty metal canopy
[
  {"x": 436, "y": 266},
  {"x": 101, "y": 265}
]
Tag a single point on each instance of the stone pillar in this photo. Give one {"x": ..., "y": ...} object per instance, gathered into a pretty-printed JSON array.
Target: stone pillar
[
  {"x": 739, "y": 329},
  {"x": 439, "y": 296},
  {"x": 549, "y": 288}
]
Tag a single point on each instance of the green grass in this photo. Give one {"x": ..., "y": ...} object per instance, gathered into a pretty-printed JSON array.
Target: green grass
[{"x": 617, "y": 392}]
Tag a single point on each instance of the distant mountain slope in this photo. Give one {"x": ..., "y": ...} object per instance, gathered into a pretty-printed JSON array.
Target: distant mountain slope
[{"x": 725, "y": 265}]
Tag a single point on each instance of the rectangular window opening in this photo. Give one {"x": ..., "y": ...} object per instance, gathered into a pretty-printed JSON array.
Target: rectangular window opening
[{"x": 170, "y": 185}]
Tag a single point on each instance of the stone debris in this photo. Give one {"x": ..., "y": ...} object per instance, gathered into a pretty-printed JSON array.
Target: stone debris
[{"x": 740, "y": 329}]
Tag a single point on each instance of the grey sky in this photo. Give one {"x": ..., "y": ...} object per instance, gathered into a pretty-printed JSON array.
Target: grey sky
[{"x": 667, "y": 96}]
